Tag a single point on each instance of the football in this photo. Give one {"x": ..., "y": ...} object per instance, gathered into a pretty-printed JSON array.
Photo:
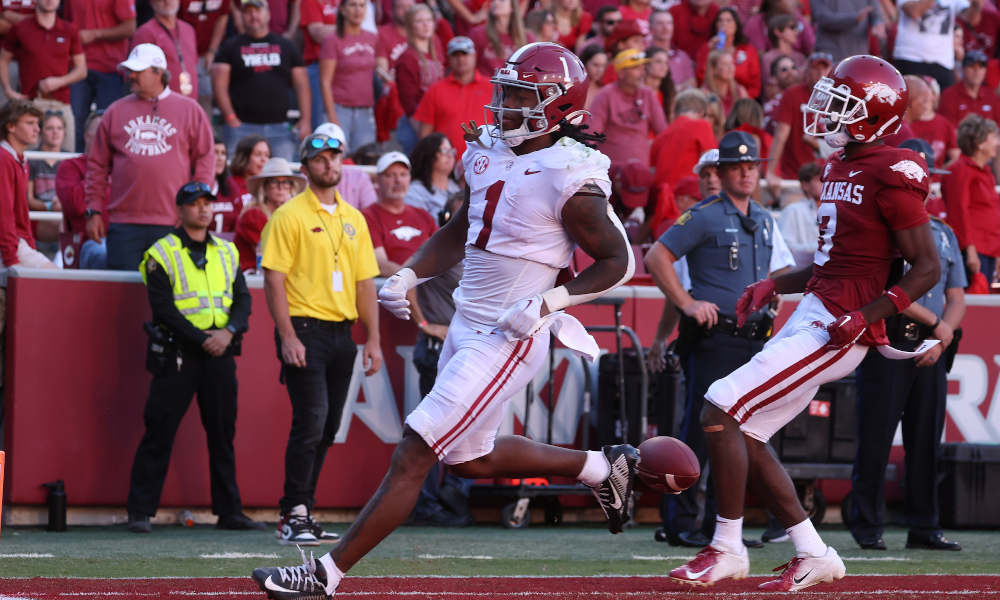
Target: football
[{"x": 667, "y": 464}]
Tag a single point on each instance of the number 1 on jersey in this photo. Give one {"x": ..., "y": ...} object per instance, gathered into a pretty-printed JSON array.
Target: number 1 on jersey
[{"x": 492, "y": 198}]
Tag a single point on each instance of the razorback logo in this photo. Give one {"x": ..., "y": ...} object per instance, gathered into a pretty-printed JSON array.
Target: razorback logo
[
  {"x": 882, "y": 93},
  {"x": 911, "y": 169}
]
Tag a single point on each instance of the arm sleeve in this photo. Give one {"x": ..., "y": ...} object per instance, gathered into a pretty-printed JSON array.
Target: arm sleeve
[
  {"x": 330, "y": 49},
  {"x": 99, "y": 165},
  {"x": 308, "y": 13},
  {"x": 828, "y": 20},
  {"x": 202, "y": 148},
  {"x": 10, "y": 42},
  {"x": 75, "y": 45},
  {"x": 239, "y": 313},
  {"x": 684, "y": 235},
  {"x": 69, "y": 189},
  {"x": 280, "y": 242},
  {"x": 124, "y": 10},
  {"x": 161, "y": 300},
  {"x": 8, "y": 230},
  {"x": 903, "y": 208},
  {"x": 954, "y": 192},
  {"x": 408, "y": 82}
]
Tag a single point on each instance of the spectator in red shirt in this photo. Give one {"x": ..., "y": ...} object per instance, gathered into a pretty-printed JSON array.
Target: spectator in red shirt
[
  {"x": 629, "y": 111},
  {"x": 970, "y": 194},
  {"x": 319, "y": 19},
  {"x": 628, "y": 35},
  {"x": 499, "y": 37},
  {"x": 10, "y": 15},
  {"x": 980, "y": 28},
  {"x": 71, "y": 180},
  {"x": 728, "y": 37},
  {"x": 693, "y": 24},
  {"x": 346, "y": 69},
  {"x": 225, "y": 192},
  {"x": 607, "y": 19},
  {"x": 661, "y": 30},
  {"x": 675, "y": 152},
  {"x": 542, "y": 25},
  {"x": 791, "y": 148},
  {"x": 47, "y": 47},
  {"x": 420, "y": 66},
  {"x": 178, "y": 41},
  {"x": 783, "y": 32},
  {"x": 720, "y": 80},
  {"x": 209, "y": 19},
  {"x": 18, "y": 130},
  {"x": 928, "y": 125},
  {"x": 275, "y": 185},
  {"x": 105, "y": 28},
  {"x": 285, "y": 17},
  {"x": 784, "y": 74},
  {"x": 970, "y": 95},
  {"x": 249, "y": 158},
  {"x": 595, "y": 60},
  {"x": 392, "y": 36},
  {"x": 636, "y": 9},
  {"x": 658, "y": 78},
  {"x": 756, "y": 27},
  {"x": 150, "y": 143},
  {"x": 748, "y": 116},
  {"x": 456, "y": 99},
  {"x": 572, "y": 23}
]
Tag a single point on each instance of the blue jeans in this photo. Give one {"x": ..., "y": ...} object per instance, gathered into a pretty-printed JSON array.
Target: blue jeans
[
  {"x": 97, "y": 87},
  {"x": 406, "y": 135},
  {"x": 94, "y": 255},
  {"x": 318, "y": 112},
  {"x": 127, "y": 242},
  {"x": 358, "y": 123},
  {"x": 279, "y": 135}
]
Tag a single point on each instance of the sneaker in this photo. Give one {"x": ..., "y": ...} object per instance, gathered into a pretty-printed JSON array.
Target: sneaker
[
  {"x": 295, "y": 528},
  {"x": 615, "y": 493},
  {"x": 775, "y": 533},
  {"x": 138, "y": 523},
  {"x": 292, "y": 583},
  {"x": 713, "y": 565},
  {"x": 239, "y": 522},
  {"x": 441, "y": 518},
  {"x": 803, "y": 572},
  {"x": 324, "y": 537}
]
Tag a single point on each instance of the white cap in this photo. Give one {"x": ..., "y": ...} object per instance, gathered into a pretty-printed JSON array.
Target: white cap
[
  {"x": 390, "y": 158},
  {"x": 143, "y": 57},
  {"x": 708, "y": 159},
  {"x": 333, "y": 130}
]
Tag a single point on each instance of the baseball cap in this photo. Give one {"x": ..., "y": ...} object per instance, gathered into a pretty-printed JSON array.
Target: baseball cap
[
  {"x": 635, "y": 181},
  {"x": 316, "y": 143},
  {"x": 975, "y": 57},
  {"x": 708, "y": 159},
  {"x": 257, "y": 3},
  {"x": 626, "y": 29},
  {"x": 390, "y": 158},
  {"x": 817, "y": 57},
  {"x": 630, "y": 58},
  {"x": 687, "y": 186},
  {"x": 461, "y": 44},
  {"x": 143, "y": 57},
  {"x": 333, "y": 130},
  {"x": 193, "y": 190}
]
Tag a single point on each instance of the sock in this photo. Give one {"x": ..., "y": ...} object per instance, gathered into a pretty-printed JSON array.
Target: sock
[
  {"x": 333, "y": 574},
  {"x": 807, "y": 541},
  {"x": 596, "y": 469},
  {"x": 728, "y": 535}
]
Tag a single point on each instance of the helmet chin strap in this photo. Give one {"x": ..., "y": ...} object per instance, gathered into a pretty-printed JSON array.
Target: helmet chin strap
[{"x": 838, "y": 140}]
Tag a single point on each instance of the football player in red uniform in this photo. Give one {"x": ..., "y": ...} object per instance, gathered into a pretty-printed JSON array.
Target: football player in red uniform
[
  {"x": 872, "y": 212},
  {"x": 537, "y": 189}
]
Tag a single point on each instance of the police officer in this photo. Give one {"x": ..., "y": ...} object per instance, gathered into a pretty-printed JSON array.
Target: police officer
[
  {"x": 913, "y": 391},
  {"x": 730, "y": 242},
  {"x": 201, "y": 307}
]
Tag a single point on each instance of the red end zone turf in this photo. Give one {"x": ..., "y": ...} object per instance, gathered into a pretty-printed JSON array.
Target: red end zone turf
[{"x": 861, "y": 586}]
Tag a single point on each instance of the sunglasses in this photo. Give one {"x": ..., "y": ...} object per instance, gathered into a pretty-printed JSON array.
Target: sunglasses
[
  {"x": 786, "y": 69},
  {"x": 325, "y": 142},
  {"x": 612, "y": 22},
  {"x": 50, "y": 113},
  {"x": 196, "y": 187},
  {"x": 279, "y": 183},
  {"x": 821, "y": 56}
]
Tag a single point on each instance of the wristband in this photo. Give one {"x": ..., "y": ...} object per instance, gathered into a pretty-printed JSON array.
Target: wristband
[
  {"x": 48, "y": 206},
  {"x": 410, "y": 278},
  {"x": 231, "y": 117},
  {"x": 936, "y": 323},
  {"x": 556, "y": 298},
  {"x": 899, "y": 298},
  {"x": 422, "y": 324}
]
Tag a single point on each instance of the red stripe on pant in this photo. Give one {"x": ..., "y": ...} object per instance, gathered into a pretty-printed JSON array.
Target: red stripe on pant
[
  {"x": 795, "y": 385},
  {"x": 469, "y": 418},
  {"x": 772, "y": 382}
]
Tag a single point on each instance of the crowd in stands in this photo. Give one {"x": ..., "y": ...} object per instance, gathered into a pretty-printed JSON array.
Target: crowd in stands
[{"x": 156, "y": 93}]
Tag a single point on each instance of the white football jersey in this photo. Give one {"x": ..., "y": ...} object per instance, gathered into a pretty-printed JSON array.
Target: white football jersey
[{"x": 517, "y": 243}]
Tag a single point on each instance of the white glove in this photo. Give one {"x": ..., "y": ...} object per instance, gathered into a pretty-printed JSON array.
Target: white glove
[
  {"x": 523, "y": 319},
  {"x": 393, "y": 297}
]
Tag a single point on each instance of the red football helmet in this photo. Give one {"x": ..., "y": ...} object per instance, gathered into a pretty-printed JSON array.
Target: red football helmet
[
  {"x": 559, "y": 81},
  {"x": 862, "y": 100}
]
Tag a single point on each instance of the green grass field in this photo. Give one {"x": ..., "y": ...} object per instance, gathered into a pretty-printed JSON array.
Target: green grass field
[{"x": 565, "y": 550}]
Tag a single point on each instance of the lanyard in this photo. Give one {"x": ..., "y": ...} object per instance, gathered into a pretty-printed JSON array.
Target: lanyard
[
  {"x": 340, "y": 242},
  {"x": 177, "y": 43}
]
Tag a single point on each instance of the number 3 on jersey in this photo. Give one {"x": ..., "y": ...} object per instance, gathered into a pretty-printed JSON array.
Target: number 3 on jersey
[
  {"x": 826, "y": 215},
  {"x": 492, "y": 198}
]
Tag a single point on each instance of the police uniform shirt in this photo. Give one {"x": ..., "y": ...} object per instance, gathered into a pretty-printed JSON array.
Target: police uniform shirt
[
  {"x": 723, "y": 257},
  {"x": 161, "y": 296},
  {"x": 952, "y": 267}
]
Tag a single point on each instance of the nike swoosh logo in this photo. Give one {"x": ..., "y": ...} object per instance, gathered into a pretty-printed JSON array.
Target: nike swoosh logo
[
  {"x": 275, "y": 587},
  {"x": 618, "y": 499},
  {"x": 801, "y": 579},
  {"x": 528, "y": 171},
  {"x": 853, "y": 173},
  {"x": 700, "y": 573}
]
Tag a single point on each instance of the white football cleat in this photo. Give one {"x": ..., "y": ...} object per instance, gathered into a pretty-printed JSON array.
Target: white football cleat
[
  {"x": 712, "y": 565},
  {"x": 806, "y": 571}
]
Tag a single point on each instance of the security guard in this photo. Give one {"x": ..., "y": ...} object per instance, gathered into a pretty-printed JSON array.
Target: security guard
[
  {"x": 730, "y": 241},
  {"x": 201, "y": 307},
  {"x": 914, "y": 391}
]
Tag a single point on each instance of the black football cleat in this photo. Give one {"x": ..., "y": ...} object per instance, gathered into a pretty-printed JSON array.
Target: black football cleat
[
  {"x": 615, "y": 493},
  {"x": 293, "y": 583}
]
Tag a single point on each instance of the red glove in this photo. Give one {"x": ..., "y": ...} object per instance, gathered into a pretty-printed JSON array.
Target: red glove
[
  {"x": 846, "y": 330},
  {"x": 755, "y": 297}
]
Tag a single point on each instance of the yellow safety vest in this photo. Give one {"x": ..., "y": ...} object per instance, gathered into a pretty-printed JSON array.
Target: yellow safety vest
[{"x": 202, "y": 296}]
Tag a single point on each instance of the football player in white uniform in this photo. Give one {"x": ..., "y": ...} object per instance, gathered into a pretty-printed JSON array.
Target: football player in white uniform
[{"x": 536, "y": 190}]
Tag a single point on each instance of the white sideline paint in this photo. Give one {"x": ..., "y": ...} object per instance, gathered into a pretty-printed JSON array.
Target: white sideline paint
[
  {"x": 239, "y": 555},
  {"x": 637, "y": 557},
  {"x": 880, "y": 558},
  {"x": 27, "y": 555},
  {"x": 440, "y": 556}
]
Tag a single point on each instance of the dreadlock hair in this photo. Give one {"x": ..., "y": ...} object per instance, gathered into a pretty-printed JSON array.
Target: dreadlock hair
[{"x": 577, "y": 133}]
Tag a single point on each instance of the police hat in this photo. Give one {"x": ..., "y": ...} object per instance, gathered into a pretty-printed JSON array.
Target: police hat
[
  {"x": 923, "y": 148},
  {"x": 738, "y": 146},
  {"x": 193, "y": 190}
]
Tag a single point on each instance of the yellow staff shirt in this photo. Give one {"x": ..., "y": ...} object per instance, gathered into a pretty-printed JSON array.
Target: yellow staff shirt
[{"x": 322, "y": 255}]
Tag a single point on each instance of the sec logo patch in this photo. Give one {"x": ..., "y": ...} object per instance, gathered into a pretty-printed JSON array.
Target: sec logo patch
[{"x": 481, "y": 164}]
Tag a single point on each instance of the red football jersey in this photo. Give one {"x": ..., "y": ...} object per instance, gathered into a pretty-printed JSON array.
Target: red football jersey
[{"x": 864, "y": 200}]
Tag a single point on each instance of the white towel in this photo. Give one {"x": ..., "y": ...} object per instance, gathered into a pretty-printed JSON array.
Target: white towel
[
  {"x": 894, "y": 354},
  {"x": 569, "y": 331}
]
